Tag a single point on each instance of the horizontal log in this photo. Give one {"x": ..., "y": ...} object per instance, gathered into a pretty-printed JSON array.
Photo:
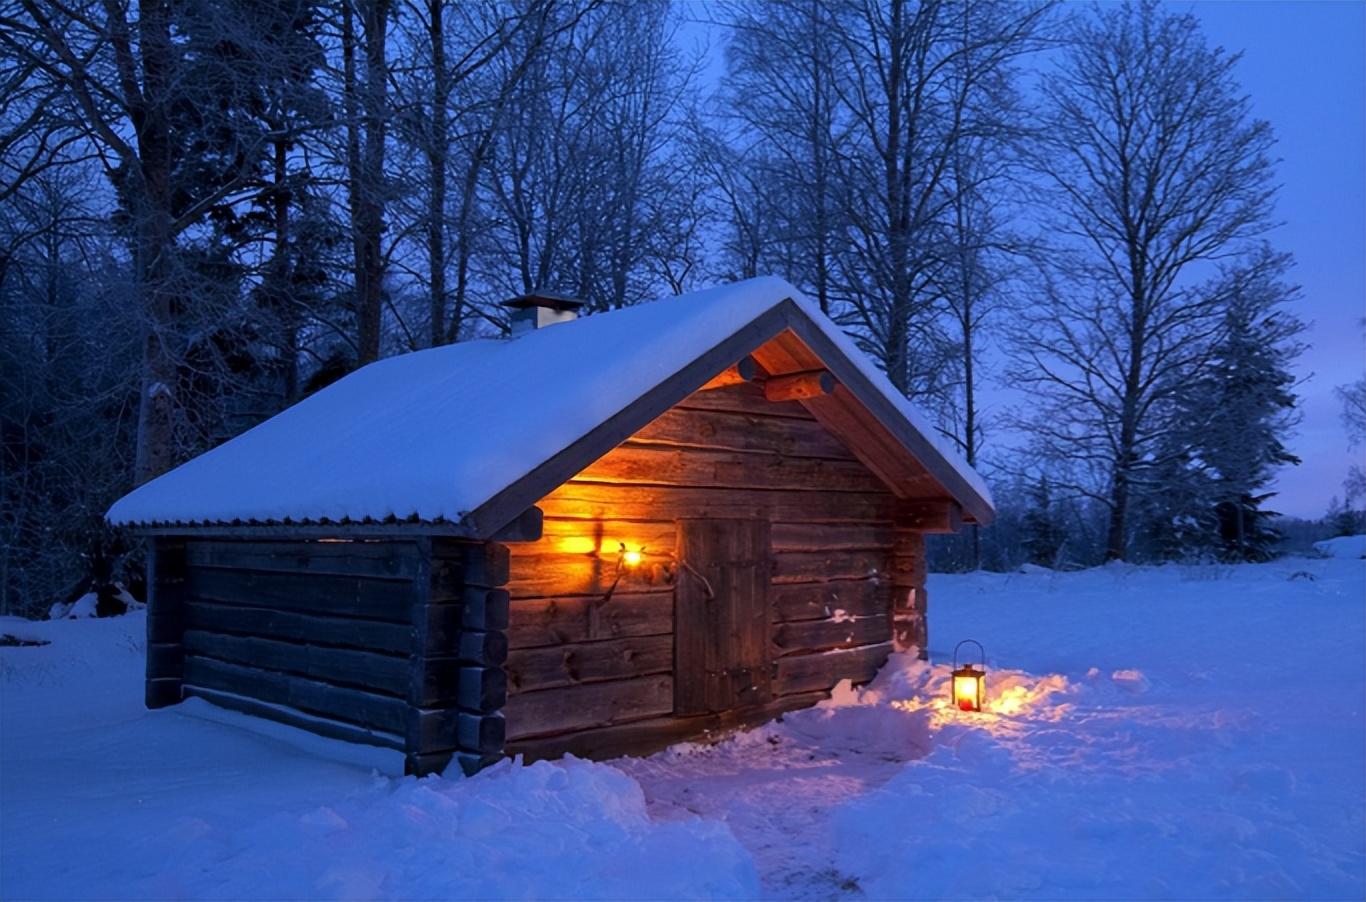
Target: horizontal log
[
  {"x": 552, "y": 575},
  {"x": 482, "y": 689},
  {"x": 830, "y": 536},
  {"x": 600, "y": 537},
  {"x": 370, "y": 710},
  {"x": 821, "y": 671},
  {"x": 480, "y": 647},
  {"x": 388, "y": 674},
  {"x": 729, "y": 430},
  {"x": 590, "y": 705},
  {"x": 335, "y": 596},
  {"x": 591, "y": 501},
  {"x": 531, "y": 669},
  {"x": 634, "y": 464},
  {"x": 940, "y": 517},
  {"x": 552, "y": 621},
  {"x": 299, "y": 719},
  {"x": 818, "y": 566},
  {"x": 821, "y": 600},
  {"x": 645, "y": 737},
  {"x": 743, "y": 398},
  {"x": 805, "y": 636},
  {"x": 484, "y": 609},
  {"x": 443, "y": 627},
  {"x": 380, "y": 560},
  {"x": 799, "y": 386}
]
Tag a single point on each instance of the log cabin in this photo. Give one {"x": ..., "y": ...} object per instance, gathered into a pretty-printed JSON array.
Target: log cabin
[{"x": 598, "y": 536}]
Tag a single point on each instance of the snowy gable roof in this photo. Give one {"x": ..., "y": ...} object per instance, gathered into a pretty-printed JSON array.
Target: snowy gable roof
[{"x": 472, "y": 434}]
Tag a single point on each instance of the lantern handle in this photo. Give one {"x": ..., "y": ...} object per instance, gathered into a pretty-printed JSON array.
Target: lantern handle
[{"x": 981, "y": 653}]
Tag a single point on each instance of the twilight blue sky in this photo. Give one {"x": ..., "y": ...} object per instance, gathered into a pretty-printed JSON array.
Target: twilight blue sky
[{"x": 1303, "y": 67}]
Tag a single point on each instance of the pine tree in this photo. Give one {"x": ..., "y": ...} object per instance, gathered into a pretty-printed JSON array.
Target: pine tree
[{"x": 1238, "y": 412}]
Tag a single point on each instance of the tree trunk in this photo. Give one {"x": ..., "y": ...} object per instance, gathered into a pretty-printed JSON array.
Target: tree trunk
[
  {"x": 370, "y": 219},
  {"x": 437, "y": 152},
  {"x": 154, "y": 245}
]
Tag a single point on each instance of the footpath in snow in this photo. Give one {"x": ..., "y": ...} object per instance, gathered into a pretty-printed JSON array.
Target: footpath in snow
[{"x": 1173, "y": 732}]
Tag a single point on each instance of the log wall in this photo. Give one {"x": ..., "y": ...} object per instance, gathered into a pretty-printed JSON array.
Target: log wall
[
  {"x": 396, "y": 643},
  {"x": 590, "y": 665}
]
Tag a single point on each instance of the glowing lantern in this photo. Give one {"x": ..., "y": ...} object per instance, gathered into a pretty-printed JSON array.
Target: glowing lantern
[
  {"x": 630, "y": 558},
  {"x": 969, "y": 683}
]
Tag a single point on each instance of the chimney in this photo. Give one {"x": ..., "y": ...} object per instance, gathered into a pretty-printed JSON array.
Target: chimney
[{"x": 540, "y": 309}]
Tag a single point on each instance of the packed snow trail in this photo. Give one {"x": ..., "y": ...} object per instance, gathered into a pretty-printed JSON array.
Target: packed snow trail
[{"x": 1173, "y": 732}]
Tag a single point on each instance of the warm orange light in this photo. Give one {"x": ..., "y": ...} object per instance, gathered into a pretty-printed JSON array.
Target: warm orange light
[
  {"x": 967, "y": 691},
  {"x": 631, "y": 558}
]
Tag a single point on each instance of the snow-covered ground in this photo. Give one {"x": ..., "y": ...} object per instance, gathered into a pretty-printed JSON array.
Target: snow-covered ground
[{"x": 1174, "y": 732}]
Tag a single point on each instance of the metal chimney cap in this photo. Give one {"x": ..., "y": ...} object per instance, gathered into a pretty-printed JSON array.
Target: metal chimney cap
[{"x": 544, "y": 299}]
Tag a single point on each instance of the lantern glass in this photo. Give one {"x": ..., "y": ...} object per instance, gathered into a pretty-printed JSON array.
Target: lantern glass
[
  {"x": 631, "y": 558},
  {"x": 967, "y": 689}
]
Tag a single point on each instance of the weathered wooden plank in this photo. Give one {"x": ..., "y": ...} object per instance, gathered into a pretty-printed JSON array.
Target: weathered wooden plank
[
  {"x": 531, "y": 669},
  {"x": 738, "y": 431},
  {"x": 806, "y": 345},
  {"x": 343, "y": 666},
  {"x": 292, "y": 626},
  {"x": 808, "y": 673},
  {"x": 552, "y": 621},
  {"x": 591, "y": 501},
  {"x": 821, "y": 600},
  {"x": 656, "y": 538},
  {"x": 657, "y": 465},
  {"x": 321, "y": 726},
  {"x": 645, "y": 737},
  {"x": 743, "y": 398},
  {"x": 830, "y": 536},
  {"x": 805, "y": 636},
  {"x": 553, "y": 575},
  {"x": 380, "y": 560},
  {"x": 799, "y": 386},
  {"x": 601, "y": 537},
  {"x": 379, "y": 712},
  {"x": 335, "y": 596},
  {"x": 817, "y": 566},
  {"x": 589, "y": 705},
  {"x": 722, "y": 615}
]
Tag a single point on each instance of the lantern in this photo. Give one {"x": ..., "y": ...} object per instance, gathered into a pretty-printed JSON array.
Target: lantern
[
  {"x": 630, "y": 558},
  {"x": 969, "y": 683}
]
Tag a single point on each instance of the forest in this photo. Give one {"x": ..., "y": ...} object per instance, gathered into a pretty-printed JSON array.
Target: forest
[{"x": 211, "y": 208}]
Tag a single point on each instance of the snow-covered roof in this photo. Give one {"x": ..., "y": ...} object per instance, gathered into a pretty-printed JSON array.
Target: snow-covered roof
[{"x": 436, "y": 435}]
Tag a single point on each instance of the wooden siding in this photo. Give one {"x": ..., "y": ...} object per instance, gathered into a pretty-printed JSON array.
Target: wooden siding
[
  {"x": 591, "y": 643},
  {"x": 396, "y": 643}
]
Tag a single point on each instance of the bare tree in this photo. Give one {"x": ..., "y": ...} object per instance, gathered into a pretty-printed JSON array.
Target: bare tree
[{"x": 1156, "y": 167}]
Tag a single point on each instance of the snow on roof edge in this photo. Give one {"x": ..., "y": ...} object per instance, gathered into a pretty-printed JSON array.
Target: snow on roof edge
[{"x": 703, "y": 318}]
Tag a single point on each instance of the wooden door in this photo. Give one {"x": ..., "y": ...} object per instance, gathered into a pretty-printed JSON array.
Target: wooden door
[{"x": 721, "y": 656}]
